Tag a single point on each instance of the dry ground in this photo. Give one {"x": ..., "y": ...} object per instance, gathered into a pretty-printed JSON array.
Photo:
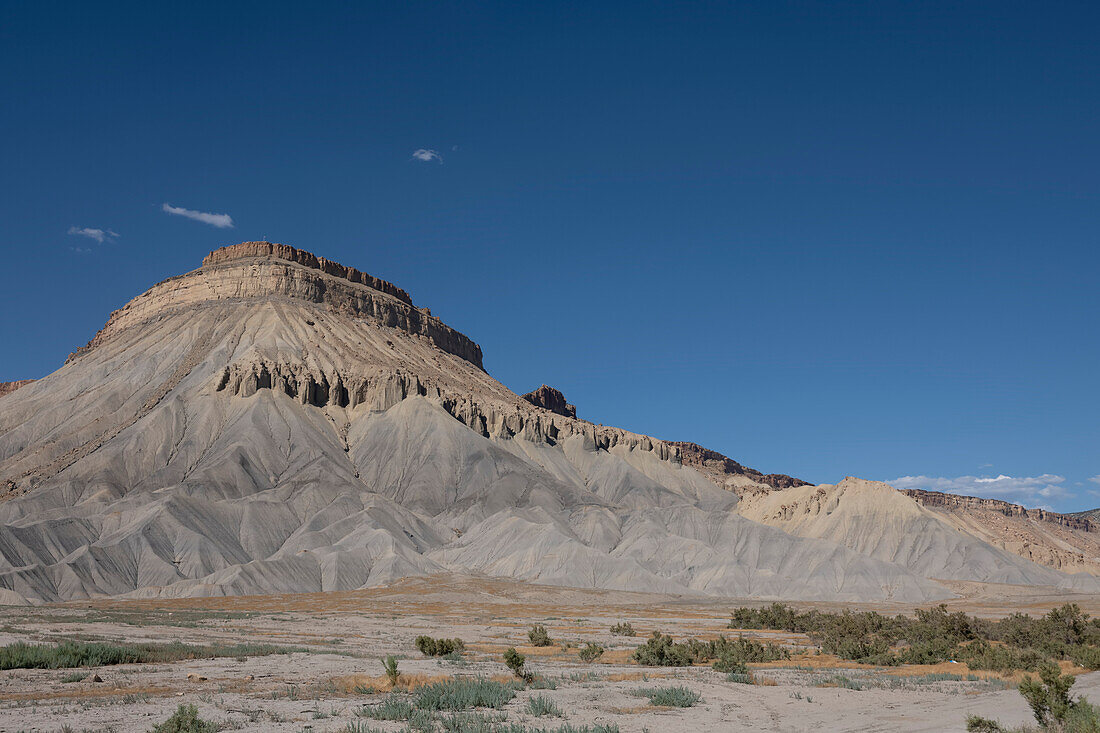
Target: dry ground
[{"x": 347, "y": 634}]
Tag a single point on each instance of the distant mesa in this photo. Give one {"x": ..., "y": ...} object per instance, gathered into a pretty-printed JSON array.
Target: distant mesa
[{"x": 551, "y": 399}]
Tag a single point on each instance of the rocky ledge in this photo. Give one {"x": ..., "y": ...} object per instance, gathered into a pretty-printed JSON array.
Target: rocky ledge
[
  {"x": 8, "y": 387},
  {"x": 956, "y": 501},
  {"x": 305, "y": 259},
  {"x": 551, "y": 399},
  {"x": 714, "y": 462}
]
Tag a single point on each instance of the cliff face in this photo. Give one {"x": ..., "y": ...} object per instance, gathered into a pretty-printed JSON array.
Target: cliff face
[
  {"x": 551, "y": 399},
  {"x": 7, "y": 387},
  {"x": 716, "y": 464},
  {"x": 955, "y": 501},
  {"x": 255, "y": 270},
  {"x": 305, "y": 259}
]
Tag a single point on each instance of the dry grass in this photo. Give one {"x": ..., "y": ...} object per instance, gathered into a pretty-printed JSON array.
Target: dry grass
[
  {"x": 348, "y": 684},
  {"x": 98, "y": 692}
]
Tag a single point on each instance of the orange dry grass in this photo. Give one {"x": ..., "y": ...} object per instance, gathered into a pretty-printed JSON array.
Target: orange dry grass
[
  {"x": 89, "y": 693},
  {"x": 635, "y": 676}
]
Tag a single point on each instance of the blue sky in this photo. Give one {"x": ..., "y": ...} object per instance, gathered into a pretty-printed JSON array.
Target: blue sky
[{"x": 823, "y": 238}]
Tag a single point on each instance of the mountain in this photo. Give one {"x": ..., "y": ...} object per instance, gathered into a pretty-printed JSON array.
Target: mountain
[{"x": 275, "y": 422}]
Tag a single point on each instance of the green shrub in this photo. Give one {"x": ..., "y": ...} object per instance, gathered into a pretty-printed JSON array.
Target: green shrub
[
  {"x": 430, "y": 647},
  {"x": 68, "y": 654},
  {"x": 392, "y": 708},
  {"x": 978, "y": 724},
  {"x": 1048, "y": 696},
  {"x": 185, "y": 720},
  {"x": 591, "y": 652},
  {"x": 669, "y": 697},
  {"x": 539, "y": 636},
  {"x": 462, "y": 693},
  {"x": 622, "y": 629},
  {"x": 389, "y": 664},
  {"x": 514, "y": 661},
  {"x": 741, "y": 678},
  {"x": 540, "y": 705}
]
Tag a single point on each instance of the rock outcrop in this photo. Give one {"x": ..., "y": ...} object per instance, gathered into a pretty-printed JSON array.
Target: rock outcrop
[
  {"x": 551, "y": 399},
  {"x": 956, "y": 501},
  {"x": 9, "y": 387},
  {"x": 719, "y": 466}
]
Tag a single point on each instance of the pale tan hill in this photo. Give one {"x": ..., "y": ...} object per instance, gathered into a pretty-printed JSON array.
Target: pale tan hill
[
  {"x": 275, "y": 422},
  {"x": 877, "y": 521}
]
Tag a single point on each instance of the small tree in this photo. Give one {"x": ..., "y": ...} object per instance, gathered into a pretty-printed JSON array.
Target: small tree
[
  {"x": 515, "y": 661},
  {"x": 1049, "y": 696},
  {"x": 539, "y": 636},
  {"x": 390, "y": 665}
]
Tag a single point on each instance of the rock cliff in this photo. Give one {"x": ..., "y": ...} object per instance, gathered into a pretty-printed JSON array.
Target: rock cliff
[
  {"x": 719, "y": 466},
  {"x": 956, "y": 501},
  {"x": 8, "y": 387},
  {"x": 551, "y": 399}
]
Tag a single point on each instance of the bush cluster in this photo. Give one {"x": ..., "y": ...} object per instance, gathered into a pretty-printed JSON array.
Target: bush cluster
[
  {"x": 660, "y": 650},
  {"x": 539, "y": 636},
  {"x": 430, "y": 647},
  {"x": 935, "y": 635}
]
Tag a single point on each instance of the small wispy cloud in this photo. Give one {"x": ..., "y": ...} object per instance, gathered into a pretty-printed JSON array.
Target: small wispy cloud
[
  {"x": 1031, "y": 490},
  {"x": 221, "y": 221},
  {"x": 99, "y": 235},
  {"x": 427, "y": 156},
  {"x": 1095, "y": 479}
]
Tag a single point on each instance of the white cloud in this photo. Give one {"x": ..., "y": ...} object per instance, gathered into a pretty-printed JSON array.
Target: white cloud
[
  {"x": 99, "y": 235},
  {"x": 427, "y": 156},
  {"x": 1095, "y": 479},
  {"x": 221, "y": 221},
  {"x": 1018, "y": 489}
]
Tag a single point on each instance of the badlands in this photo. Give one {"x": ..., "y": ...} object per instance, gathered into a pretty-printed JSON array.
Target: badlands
[{"x": 277, "y": 448}]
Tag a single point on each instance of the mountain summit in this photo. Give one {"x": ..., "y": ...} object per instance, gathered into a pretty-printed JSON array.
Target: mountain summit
[{"x": 275, "y": 422}]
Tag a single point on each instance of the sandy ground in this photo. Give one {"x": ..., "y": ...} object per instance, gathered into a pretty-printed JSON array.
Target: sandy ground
[{"x": 348, "y": 633}]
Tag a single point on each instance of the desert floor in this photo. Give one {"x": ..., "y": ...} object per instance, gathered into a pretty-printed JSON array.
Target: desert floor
[{"x": 346, "y": 634}]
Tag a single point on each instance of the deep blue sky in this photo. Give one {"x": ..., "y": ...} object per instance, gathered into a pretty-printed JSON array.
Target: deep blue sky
[{"x": 822, "y": 238}]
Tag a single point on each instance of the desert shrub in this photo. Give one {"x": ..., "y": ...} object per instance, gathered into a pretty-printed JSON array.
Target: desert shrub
[
  {"x": 539, "y": 705},
  {"x": 741, "y": 678},
  {"x": 185, "y": 720},
  {"x": 539, "y": 636},
  {"x": 392, "y": 708},
  {"x": 68, "y": 654},
  {"x": 431, "y": 647},
  {"x": 1084, "y": 656},
  {"x": 514, "y": 661},
  {"x": 660, "y": 651},
  {"x": 935, "y": 635},
  {"x": 75, "y": 677},
  {"x": 591, "y": 652},
  {"x": 622, "y": 629},
  {"x": 462, "y": 693},
  {"x": 1048, "y": 696},
  {"x": 669, "y": 697},
  {"x": 389, "y": 664},
  {"x": 731, "y": 665},
  {"x": 978, "y": 724}
]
